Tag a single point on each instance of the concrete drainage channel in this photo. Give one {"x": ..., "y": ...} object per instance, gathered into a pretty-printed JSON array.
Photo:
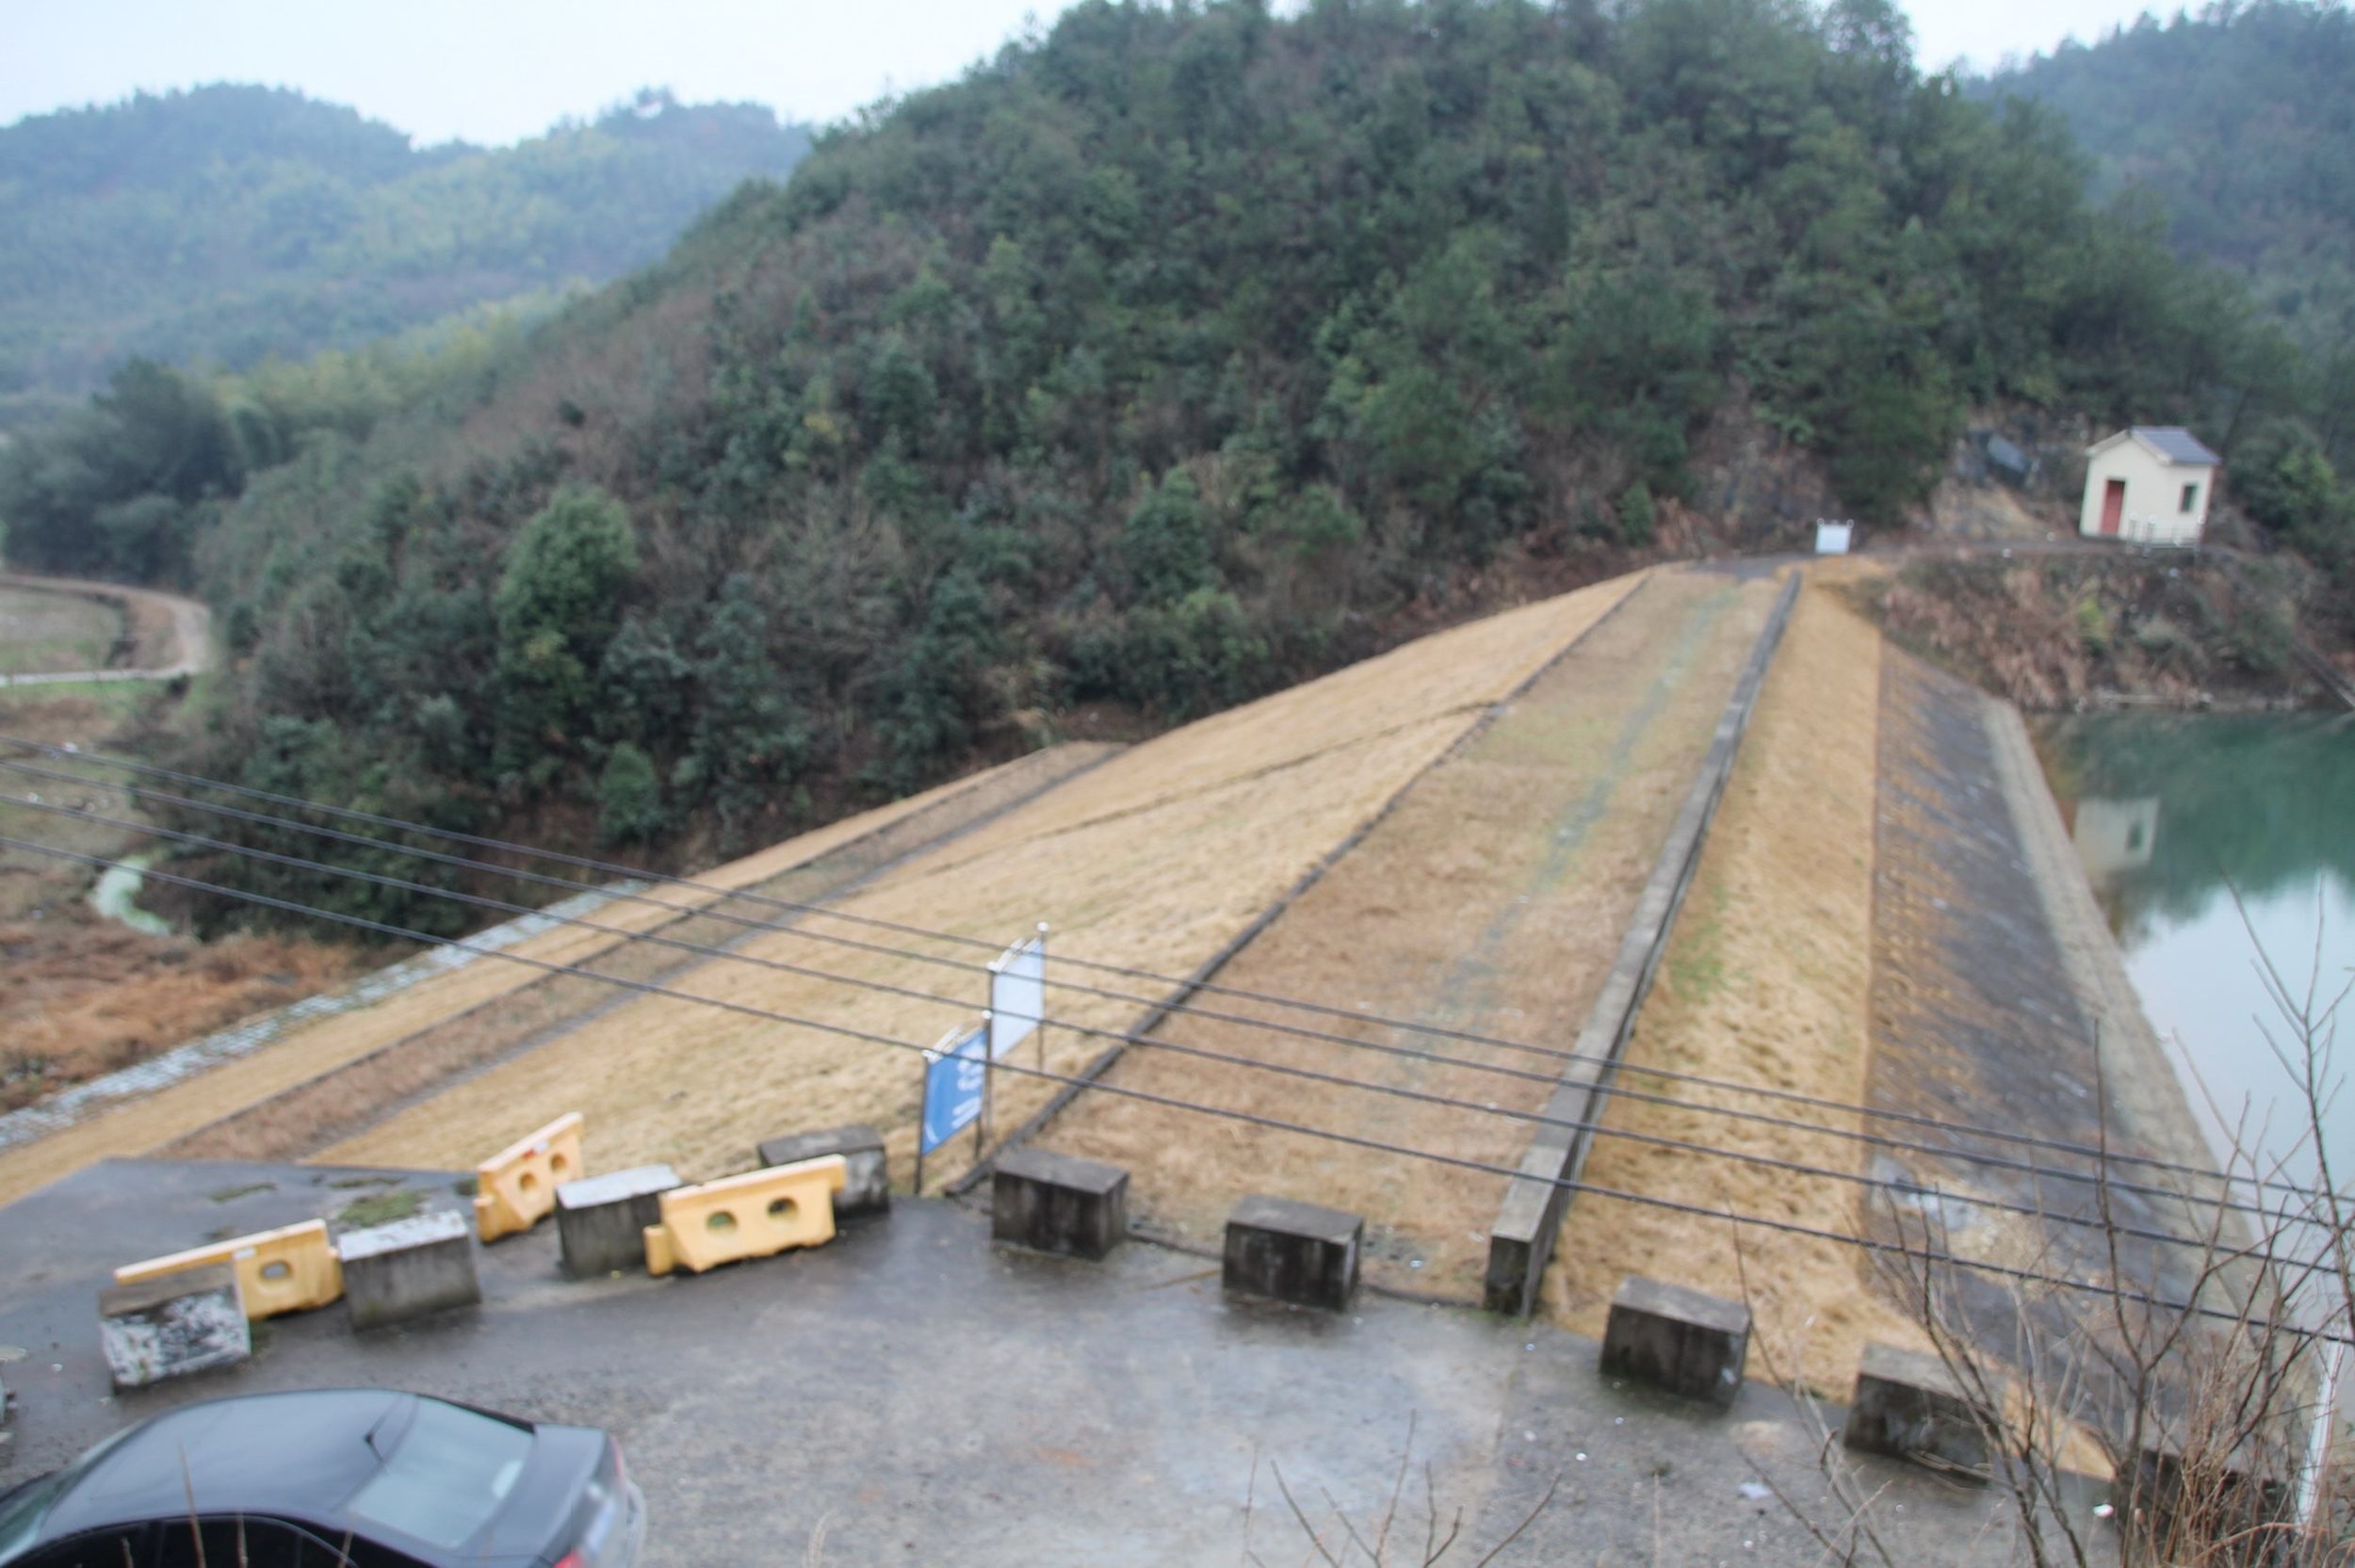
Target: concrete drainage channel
[{"x": 1521, "y": 1241}]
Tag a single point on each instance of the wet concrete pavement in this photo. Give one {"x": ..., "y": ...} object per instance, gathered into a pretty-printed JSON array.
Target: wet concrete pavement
[{"x": 921, "y": 1396}]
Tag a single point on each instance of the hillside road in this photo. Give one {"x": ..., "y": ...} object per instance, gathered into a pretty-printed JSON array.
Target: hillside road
[{"x": 175, "y": 633}]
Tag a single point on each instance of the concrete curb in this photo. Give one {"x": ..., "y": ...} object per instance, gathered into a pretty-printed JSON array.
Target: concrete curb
[
  {"x": 1159, "y": 1013},
  {"x": 1521, "y": 1243}
]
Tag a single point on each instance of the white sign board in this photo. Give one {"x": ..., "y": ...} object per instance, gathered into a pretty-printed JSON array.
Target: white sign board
[
  {"x": 1831, "y": 539},
  {"x": 1017, "y": 995}
]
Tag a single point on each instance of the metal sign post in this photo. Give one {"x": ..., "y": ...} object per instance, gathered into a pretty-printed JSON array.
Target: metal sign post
[
  {"x": 981, "y": 1122},
  {"x": 923, "y": 1095}
]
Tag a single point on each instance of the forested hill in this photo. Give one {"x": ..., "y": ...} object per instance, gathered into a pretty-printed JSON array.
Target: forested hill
[
  {"x": 1170, "y": 359},
  {"x": 229, "y": 223},
  {"x": 2238, "y": 125}
]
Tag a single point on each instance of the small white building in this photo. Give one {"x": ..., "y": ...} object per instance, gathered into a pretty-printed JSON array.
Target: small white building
[
  {"x": 2150, "y": 485},
  {"x": 2115, "y": 835}
]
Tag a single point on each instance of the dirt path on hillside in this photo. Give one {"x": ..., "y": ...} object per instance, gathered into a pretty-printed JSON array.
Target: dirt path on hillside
[
  {"x": 1767, "y": 980},
  {"x": 170, "y": 636},
  {"x": 1492, "y": 900}
]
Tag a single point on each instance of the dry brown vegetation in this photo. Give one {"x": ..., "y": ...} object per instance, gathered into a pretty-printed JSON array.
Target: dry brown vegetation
[
  {"x": 81, "y": 995},
  {"x": 1154, "y": 859},
  {"x": 1767, "y": 980},
  {"x": 2079, "y": 629},
  {"x": 1493, "y": 901}
]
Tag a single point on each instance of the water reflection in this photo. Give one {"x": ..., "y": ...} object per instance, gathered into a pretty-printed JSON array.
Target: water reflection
[{"x": 2170, "y": 813}]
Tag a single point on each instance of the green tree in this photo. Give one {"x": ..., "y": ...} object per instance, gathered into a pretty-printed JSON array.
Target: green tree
[
  {"x": 1166, "y": 544},
  {"x": 558, "y": 606},
  {"x": 629, "y": 797}
]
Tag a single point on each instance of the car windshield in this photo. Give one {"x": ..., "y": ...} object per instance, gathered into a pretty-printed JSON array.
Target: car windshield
[
  {"x": 449, "y": 1474},
  {"x": 21, "y": 1514},
  {"x": 23, "y": 1510}
]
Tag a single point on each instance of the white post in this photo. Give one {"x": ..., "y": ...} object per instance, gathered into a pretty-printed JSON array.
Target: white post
[{"x": 1042, "y": 997}]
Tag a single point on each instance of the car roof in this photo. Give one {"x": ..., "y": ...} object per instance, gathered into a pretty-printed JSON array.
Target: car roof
[{"x": 296, "y": 1455}]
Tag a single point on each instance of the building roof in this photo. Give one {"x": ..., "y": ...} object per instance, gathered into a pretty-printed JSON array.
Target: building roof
[
  {"x": 2170, "y": 441},
  {"x": 2177, "y": 444}
]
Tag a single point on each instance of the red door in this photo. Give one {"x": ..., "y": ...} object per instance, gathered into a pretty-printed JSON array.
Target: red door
[{"x": 2113, "y": 505}]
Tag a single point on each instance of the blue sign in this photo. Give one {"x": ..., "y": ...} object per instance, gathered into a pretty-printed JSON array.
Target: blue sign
[{"x": 953, "y": 1080}]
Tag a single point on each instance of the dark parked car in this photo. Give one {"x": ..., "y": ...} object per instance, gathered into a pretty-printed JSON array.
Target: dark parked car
[{"x": 331, "y": 1478}]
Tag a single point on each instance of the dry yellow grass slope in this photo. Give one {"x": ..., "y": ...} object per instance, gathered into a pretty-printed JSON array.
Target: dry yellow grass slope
[
  {"x": 1492, "y": 900},
  {"x": 1154, "y": 860},
  {"x": 139, "y": 1125},
  {"x": 1766, "y": 981}
]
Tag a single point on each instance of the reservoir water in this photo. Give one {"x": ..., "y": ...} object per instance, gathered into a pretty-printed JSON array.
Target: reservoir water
[{"x": 2172, "y": 815}]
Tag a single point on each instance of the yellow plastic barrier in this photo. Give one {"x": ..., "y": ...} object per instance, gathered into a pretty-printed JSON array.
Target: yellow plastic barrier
[
  {"x": 515, "y": 1188},
  {"x": 754, "y": 1214},
  {"x": 290, "y": 1269}
]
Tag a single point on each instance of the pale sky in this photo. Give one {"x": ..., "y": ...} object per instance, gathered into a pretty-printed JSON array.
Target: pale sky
[{"x": 497, "y": 71}]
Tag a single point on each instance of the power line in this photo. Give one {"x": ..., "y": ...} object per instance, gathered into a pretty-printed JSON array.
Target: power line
[
  {"x": 1270, "y": 1124},
  {"x": 1194, "y": 1010},
  {"x": 1613, "y": 1089},
  {"x": 1250, "y": 1063}
]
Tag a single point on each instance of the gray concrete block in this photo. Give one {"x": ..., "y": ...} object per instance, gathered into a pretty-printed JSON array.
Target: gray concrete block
[
  {"x": 601, "y": 1221},
  {"x": 1674, "y": 1337},
  {"x": 408, "y": 1269},
  {"x": 1293, "y": 1252},
  {"x": 1058, "y": 1204},
  {"x": 866, "y": 1180},
  {"x": 1908, "y": 1406},
  {"x": 173, "y": 1325}
]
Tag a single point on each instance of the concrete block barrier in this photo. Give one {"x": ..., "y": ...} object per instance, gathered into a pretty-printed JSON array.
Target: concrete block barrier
[
  {"x": 1674, "y": 1337},
  {"x": 1293, "y": 1252},
  {"x": 1908, "y": 1406},
  {"x": 866, "y": 1187},
  {"x": 757, "y": 1214},
  {"x": 515, "y": 1188},
  {"x": 174, "y": 1324},
  {"x": 293, "y": 1269},
  {"x": 408, "y": 1269},
  {"x": 1058, "y": 1204},
  {"x": 601, "y": 1221}
]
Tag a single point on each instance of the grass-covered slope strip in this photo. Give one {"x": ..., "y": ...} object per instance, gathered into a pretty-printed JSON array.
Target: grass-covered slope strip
[
  {"x": 1177, "y": 356},
  {"x": 229, "y": 223}
]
